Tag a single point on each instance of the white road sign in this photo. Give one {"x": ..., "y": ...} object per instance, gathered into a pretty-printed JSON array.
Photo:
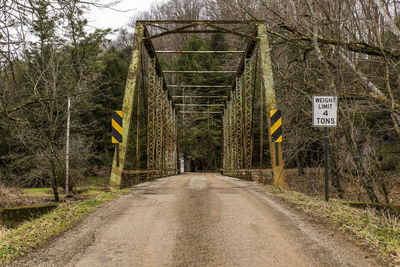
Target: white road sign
[{"x": 324, "y": 111}]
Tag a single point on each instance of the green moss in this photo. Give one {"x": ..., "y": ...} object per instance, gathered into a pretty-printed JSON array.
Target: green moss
[
  {"x": 38, "y": 192},
  {"x": 12, "y": 217},
  {"x": 99, "y": 180}
]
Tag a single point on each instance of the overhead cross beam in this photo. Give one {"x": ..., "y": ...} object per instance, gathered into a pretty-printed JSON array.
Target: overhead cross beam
[
  {"x": 199, "y": 52},
  {"x": 204, "y": 23},
  {"x": 200, "y": 96},
  {"x": 200, "y": 112},
  {"x": 149, "y": 22},
  {"x": 200, "y": 71},
  {"x": 199, "y": 86},
  {"x": 200, "y": 105}
]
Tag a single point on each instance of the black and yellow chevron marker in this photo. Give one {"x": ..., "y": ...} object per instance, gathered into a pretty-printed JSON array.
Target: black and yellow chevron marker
[
  {"x": 276, "y": 125},
  {"x": 116, "y": 125}
]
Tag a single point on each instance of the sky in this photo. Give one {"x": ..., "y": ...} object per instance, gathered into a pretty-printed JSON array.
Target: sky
[{"x": 107, "y": 18}]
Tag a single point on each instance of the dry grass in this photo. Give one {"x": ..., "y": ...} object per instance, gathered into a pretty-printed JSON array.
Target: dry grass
[
  {"x": 375, "y": 229},
  {"x": 4, "y": 231},
  {"x": 9, "y": 196}
]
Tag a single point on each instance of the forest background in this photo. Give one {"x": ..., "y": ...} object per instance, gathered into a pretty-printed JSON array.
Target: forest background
[{"x": 348, "y": 48}]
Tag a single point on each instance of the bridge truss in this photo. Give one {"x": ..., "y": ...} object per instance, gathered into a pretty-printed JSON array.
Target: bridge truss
[{"x": 147, "y": 90}]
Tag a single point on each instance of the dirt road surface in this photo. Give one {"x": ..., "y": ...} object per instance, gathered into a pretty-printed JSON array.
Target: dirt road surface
[{"x": 198, "y": 219}]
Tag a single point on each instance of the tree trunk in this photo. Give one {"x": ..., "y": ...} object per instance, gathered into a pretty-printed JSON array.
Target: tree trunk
[
  {"x": 54, "y": 182},
  {"x": 299, "y": 162},
  {"x": 366, "y": 182}
]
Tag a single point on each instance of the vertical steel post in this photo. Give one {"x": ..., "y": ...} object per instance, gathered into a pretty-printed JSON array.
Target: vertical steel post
[
  {"x": 239, "y": 85},
  {"x": 131, "y": 87},
  {"x": 224, "y": 148},
  {"x": 159, "y": 121},
  {"x": 138, "y": 131},
  {"x": 270, "y": 102},
  {"x": 248, "y": 110},
  {"x": 261, "y": 128},
  {"x": 234, "y": 136}
]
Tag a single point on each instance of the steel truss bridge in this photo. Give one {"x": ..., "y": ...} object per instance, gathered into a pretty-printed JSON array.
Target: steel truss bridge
[{"x": 146, "y": 83}]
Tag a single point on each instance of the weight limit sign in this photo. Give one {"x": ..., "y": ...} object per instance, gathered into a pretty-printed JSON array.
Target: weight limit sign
[
  {"x": 325, "y": 115},
  {"x": 324, "y": 111}
]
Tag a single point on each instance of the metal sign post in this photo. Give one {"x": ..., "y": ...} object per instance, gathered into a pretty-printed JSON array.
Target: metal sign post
[
  {"x": 116, "y": 130},
  {"x": 325, "y": 115}
]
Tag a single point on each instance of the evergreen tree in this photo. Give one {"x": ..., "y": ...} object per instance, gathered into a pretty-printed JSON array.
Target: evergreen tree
[{"x": 200, "y": 135}]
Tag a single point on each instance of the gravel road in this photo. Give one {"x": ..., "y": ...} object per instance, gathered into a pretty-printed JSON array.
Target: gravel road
[{"x": 198, "y": 219}]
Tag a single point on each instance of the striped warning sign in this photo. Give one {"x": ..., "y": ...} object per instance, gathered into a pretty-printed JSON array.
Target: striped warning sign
[
  {"x": 116, "y": 125},
  {"x": 276, "y": 125}
]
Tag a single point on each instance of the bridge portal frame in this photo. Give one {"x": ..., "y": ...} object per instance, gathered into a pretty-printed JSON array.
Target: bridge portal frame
[{"x": 162, "y": 148}]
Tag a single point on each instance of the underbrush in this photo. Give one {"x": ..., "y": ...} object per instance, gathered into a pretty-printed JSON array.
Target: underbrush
[
  {"x": 379, "y": 230},
  {"x": 9, "y": 196},
  {"x": 34, "y": 233}
]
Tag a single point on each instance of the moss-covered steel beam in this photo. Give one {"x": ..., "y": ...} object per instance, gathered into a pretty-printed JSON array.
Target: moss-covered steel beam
[
  {"x": 270, "y": 102},
  {"x": 127, "y": 106}
]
